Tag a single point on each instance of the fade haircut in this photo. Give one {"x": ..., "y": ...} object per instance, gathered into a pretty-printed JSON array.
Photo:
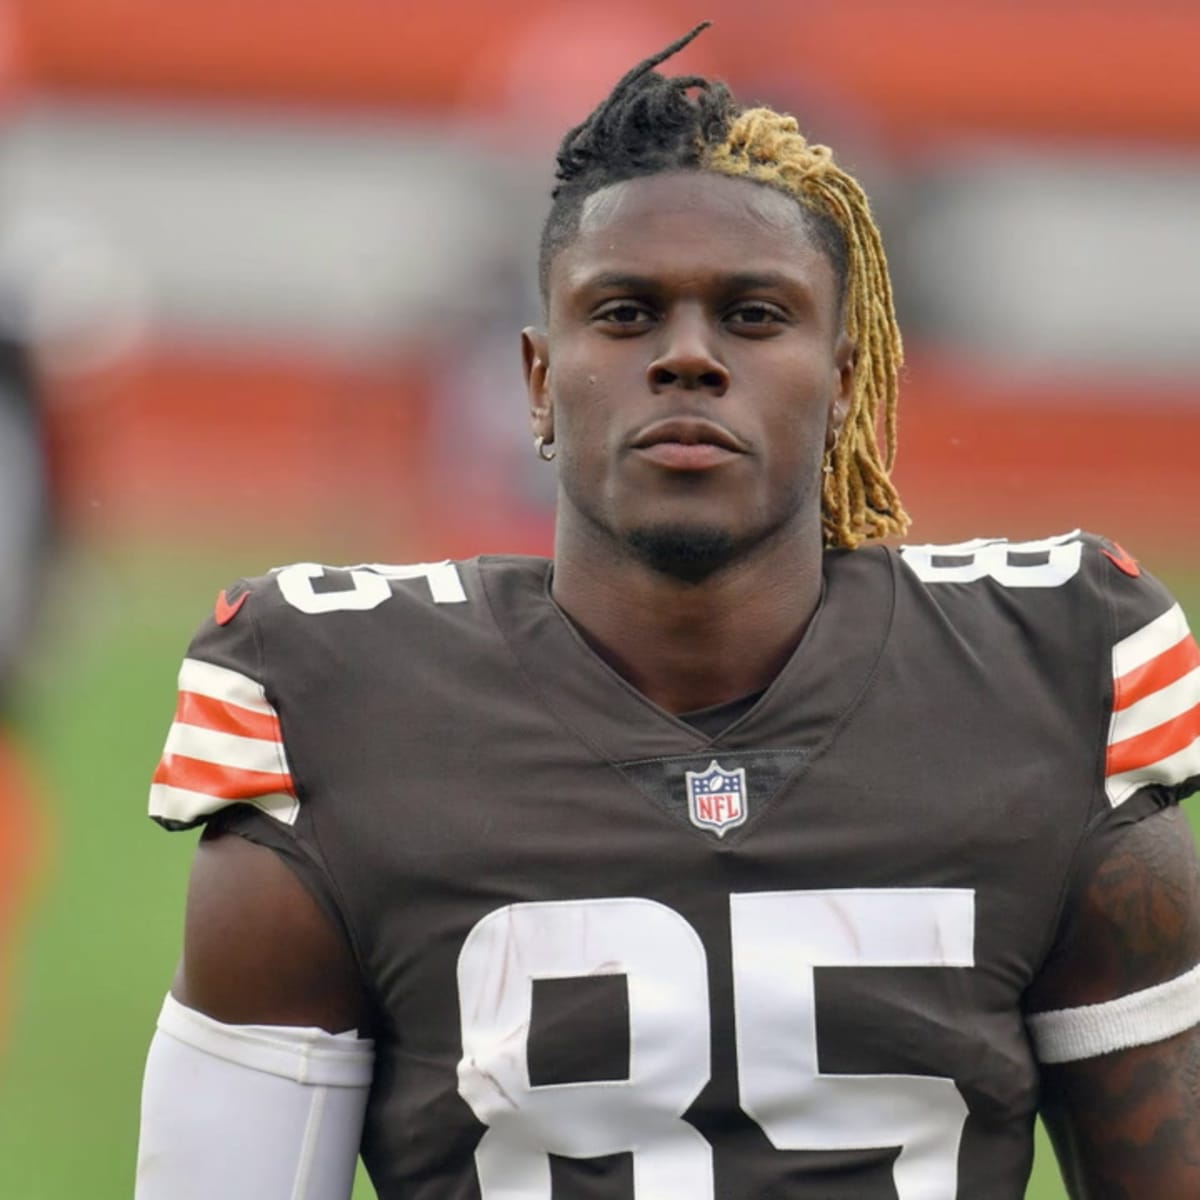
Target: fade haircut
[{"x": 650, "y": 124}]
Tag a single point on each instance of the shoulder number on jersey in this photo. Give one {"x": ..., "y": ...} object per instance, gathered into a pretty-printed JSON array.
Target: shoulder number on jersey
[
  {"x": 313, "y": 588},
  {"x": 1048, "y": 562}
]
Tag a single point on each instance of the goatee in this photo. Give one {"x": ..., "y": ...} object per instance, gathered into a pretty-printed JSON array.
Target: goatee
[{"x": 688, "y": 554}]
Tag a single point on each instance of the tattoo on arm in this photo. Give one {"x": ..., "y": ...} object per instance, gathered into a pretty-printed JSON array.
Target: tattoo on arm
[{"x": 1126, "y": 1125}]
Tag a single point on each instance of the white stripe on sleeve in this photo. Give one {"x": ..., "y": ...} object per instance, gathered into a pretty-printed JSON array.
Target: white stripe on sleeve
[
  {"x": 1150, "y": 641},
  {"x": 226, "y": 749},
  {"x": 1157, "y": 708},
  {"x": 220, "y": 683},
  {"x": 169, "y": 803}
]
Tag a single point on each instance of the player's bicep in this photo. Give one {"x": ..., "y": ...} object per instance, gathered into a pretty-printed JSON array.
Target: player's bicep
[
  {"x": 1115, "y": 1018},
  {"x": 258, "y": 948}
]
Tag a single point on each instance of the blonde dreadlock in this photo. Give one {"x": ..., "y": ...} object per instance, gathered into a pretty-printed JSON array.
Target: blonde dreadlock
[
  {"x": 650, "y": 124},
  {"x": 858, "y": 499}
]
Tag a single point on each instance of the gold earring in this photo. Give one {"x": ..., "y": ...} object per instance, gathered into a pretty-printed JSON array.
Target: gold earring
[{"x": 540, "y": 446}]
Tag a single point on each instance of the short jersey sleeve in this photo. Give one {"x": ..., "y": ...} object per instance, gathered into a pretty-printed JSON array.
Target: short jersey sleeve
[
  {"x": 225, "y": 745},
  {"x": 1154, "y": 723}
]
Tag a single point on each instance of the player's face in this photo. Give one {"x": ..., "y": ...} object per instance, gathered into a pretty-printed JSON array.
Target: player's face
[{"x": 693, "y": 370}]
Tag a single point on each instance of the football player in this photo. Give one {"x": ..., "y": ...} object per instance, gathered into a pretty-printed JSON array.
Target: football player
[{"x": 729, "y": 854}]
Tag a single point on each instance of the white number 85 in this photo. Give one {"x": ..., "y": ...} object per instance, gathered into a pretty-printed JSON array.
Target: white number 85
[{"x": 778, "y": 939}]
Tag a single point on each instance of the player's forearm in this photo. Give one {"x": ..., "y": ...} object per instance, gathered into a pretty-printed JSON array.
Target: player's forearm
[
  {"x": 1118, "y": 1031},
  {"x": 1126, "y": 1126}
]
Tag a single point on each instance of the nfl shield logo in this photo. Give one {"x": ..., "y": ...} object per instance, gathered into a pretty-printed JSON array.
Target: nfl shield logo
[{"x": 717, "y": 797}]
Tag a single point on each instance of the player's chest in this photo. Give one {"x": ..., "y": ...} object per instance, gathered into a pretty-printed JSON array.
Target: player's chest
[
  {"x": 606, "y": 983},
  {"x": 740, "y": 961}
]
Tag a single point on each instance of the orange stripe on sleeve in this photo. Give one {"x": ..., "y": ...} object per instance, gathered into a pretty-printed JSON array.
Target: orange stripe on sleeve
[
  {"x": 208, "y": 713},
  {"x": 223, "y": 783},
  {"x": 1155, "y": 744},
  {"x": 1161, "y": 671}
]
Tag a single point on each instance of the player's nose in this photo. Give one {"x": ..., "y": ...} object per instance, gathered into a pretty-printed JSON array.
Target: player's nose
[{"x": 686, "y": 356}]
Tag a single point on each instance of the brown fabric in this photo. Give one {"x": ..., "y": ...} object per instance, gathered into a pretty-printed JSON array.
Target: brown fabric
[{"x": 453, "y": 760}]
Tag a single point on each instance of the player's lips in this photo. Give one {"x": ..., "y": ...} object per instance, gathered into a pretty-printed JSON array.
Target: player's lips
[{"x": 687, "y": 443}]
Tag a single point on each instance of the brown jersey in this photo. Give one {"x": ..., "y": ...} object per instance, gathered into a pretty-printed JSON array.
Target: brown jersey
[{"x": 619, "y": 955}]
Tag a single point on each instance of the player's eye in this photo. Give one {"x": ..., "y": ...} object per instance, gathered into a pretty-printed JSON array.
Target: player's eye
[
  {"x": 624, "y": 313},
  {"x": 756, "y": 315}
]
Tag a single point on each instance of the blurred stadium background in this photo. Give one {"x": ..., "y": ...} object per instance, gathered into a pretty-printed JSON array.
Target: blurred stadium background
[{"x": 270, "y": 261}]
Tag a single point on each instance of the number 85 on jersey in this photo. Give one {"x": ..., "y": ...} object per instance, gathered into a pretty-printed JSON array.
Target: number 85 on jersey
[{"x": 778, "y": 939}]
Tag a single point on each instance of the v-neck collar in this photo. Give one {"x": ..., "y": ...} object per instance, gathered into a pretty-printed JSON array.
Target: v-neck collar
[{"x": 802, "y": 708}]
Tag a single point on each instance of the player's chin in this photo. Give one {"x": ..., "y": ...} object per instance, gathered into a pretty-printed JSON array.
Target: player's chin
[{"x": 687, "y": 551}]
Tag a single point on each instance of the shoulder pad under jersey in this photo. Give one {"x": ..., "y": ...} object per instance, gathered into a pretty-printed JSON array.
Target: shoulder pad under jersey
[
  {"x": 1152, "y": 661},
  {"x": 226, "y": 745}
]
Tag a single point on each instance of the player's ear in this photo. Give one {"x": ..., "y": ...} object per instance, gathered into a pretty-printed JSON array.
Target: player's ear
[
  {"x": 535, "y": 358},
  {"x": 845, "y": 361}
]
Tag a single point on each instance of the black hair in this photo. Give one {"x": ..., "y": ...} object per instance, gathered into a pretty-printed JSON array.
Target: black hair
[{"x": 647, "y": 125}]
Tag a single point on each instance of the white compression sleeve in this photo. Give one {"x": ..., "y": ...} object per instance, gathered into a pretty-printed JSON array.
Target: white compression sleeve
[{"x": 250, "y": 1112}]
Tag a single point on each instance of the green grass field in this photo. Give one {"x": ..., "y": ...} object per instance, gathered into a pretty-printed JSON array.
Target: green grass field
[{"x": 102, "y": 935}]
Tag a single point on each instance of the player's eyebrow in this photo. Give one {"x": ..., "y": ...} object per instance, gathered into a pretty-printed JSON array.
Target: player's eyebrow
[
  {"x": 738, "y": 281},
  {"x": 751, "y": 281},
  {"x": 618, "y": 281}
]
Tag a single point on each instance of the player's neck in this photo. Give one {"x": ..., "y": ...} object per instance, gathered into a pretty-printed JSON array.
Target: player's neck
[{"x": 690, "y": 646}]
